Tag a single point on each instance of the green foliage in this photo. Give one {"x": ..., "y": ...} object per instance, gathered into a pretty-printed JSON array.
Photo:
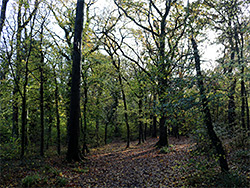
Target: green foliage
[
  {"x": 229, "y": 180},
  {"x": 31, "y": 180},
  {"x": 165, "y": 150},
  {"x": 205, "y": 173},
  {"x": 80, "y": 170},
  {"x": 61, "y": 181},
  {"x": 10, "y": 149}
]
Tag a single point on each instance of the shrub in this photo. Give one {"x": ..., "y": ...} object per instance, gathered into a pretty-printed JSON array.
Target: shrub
[
  {"x": 31, "y": 180},
  {"x": 61, "y": 181},
  {"x": 165, "y": 150}
]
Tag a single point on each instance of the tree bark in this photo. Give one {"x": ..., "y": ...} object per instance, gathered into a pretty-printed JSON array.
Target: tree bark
[
  {"x": 140, "y": 122},
  {"x": 97, "y": 122},
  {"x": 73, "y": 153},
  {"x": 57, "y": 116},
  {"x": 42, "y": 92},
  {"x": 208, "y": 120},
  {"x": 50, "y": 122},
  {"x": 247, "y": 112},
  {"x": 125, "y": 109},
  {"x": 154, "y": 133},
  {"x": 3, "y": 15},
  {"x": 42, "y": 109}
]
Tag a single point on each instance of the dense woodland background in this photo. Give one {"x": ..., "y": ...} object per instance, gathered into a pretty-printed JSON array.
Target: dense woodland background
[{"x": 80, "y": 75}]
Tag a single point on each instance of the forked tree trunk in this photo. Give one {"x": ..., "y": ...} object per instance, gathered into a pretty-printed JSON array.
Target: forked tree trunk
[{"x": 208, "y": 120}]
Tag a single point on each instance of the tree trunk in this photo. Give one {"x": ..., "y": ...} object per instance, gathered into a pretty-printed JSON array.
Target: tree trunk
[
  {"x": 3, "y": 14},
  {"x": 15, "y": 128},
  {"x": 125, "y": 109},
  {"x": 140, "y": 122},
  {"x": 57, "y": 116},
  {"x": 145, "y": 129},
  {"x": 42, "y": 111},
  {"x": 24, "y": 112},
  {"x": 239, "y": 49},
  {"x": 106, "y": 133},
  {"x": 247, "y": 112},
  {"x": 85, "y": 149},
  {"x": 41, "y": 92},
  {"x": 73, "y": 152},
  {"x": 97, "y": 123},
  {"x": 50, "y": 122},
  {"x": 163, "y": 141},
  {"x": 154, "y": 133},
  {"x": 208, "y": 120}
]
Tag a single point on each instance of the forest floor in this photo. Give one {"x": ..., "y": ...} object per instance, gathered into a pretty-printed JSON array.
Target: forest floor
[{"x": 113, "y": 165}]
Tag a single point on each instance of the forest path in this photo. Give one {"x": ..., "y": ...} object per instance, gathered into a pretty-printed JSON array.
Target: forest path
[{"x": 138, "y": 166}]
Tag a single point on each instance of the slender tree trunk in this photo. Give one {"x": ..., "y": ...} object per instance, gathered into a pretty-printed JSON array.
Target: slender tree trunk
[
  {"x": 208, "y": 120},
  {"x": 239, "y": 49},
  {"x": 145, "y": 129},
  {"x": 97, "y": 123},
  {"x": 232, "y": 86},
  {"x": 3, "y": 14},
  {"x": 42, "y": 111},
  {"x": 15, "y": 129},
  {"x": 154, "y": 133},
  {"x": 42, "y": 92},
  {"x": 57, "y": 116},
  {"x": 24, "y": 112},
  {"x": 85, "y": 149},
  {"x": 17, "y": 76},
  {"x": 106, "y": 133},
  {"x": 125, "y": 109},
  {"x": 247, "y": 112},
  {"x": 73, "y": 152},
  {"x": 50, "y": 122},
  {"x": 140, "y": 122}
]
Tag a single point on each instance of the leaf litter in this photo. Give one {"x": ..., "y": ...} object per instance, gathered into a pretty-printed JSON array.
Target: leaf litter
[{"x": 111, "y": 165}]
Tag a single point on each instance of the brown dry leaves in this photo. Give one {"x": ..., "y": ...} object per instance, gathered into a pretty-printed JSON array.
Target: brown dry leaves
[
  {"x": 139, "y": 166},
  {"x": 108, "y": 166}
]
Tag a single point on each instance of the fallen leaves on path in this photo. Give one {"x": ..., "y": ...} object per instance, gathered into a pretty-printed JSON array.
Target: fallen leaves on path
[{"x": 138, "y": 166}]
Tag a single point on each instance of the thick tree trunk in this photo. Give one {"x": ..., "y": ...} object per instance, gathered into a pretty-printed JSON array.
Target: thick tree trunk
[
  {"x": 3, "y": 14},
  {"x": 208, "y": 120},
  {"x": 163, "y": 141},
  {"x": 73, "y": 152}
]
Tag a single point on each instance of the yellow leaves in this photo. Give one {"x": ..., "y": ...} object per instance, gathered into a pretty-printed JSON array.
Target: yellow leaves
[{"x": 60, "y": 174}]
